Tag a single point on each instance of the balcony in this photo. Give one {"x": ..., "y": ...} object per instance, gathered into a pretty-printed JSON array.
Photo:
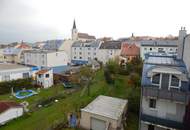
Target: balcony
[
  {"x": 162, "y": 122},
  {"x": 172, "y": 95}
]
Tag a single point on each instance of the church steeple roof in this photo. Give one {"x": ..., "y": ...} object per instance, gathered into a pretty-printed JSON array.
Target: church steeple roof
[{"x": 74, "y": 25}]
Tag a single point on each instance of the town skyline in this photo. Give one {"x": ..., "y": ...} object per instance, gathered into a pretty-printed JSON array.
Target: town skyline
[{"x": 33, "y": 21}]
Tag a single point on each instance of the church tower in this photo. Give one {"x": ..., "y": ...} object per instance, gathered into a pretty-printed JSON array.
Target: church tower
[{"x": 74, "y": 31}]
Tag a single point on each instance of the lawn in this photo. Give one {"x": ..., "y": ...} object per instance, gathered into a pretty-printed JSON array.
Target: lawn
[{"x": 45, "y": 117}]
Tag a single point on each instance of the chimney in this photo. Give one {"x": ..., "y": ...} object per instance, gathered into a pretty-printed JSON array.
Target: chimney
[{"x": 182, "y": 34}]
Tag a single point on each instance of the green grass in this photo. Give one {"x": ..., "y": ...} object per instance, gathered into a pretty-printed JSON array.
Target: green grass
[{"x": 44, "y": 117}]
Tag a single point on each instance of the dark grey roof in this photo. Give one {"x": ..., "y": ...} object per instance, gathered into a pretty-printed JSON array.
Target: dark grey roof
[
  {"x": 86, "y": 44},
  {"x": 160, "y": 43},
  {"x": 111, "y": 45},
  {"x": 53, "y": 44}
]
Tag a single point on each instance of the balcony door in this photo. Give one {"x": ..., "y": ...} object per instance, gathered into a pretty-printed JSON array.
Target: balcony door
[{"x": 165, "y": 81}]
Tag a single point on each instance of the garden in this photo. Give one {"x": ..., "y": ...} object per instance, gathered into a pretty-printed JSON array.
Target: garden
[{"x": 54, "y": 115}]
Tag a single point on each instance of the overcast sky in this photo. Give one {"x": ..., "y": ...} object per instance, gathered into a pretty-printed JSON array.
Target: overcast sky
[{"x": 36, "y": 20}]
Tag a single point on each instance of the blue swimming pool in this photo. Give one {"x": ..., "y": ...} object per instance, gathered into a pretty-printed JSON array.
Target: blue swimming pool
[{"x": 24, "y": 94}]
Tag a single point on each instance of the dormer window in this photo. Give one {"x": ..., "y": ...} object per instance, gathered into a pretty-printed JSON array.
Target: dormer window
[
  {"x": 156, "y": 79},
  {"x": 175, "y": 82}
]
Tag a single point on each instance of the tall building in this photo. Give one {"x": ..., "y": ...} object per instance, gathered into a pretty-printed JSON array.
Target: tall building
[{"x": 165, "y": 90}]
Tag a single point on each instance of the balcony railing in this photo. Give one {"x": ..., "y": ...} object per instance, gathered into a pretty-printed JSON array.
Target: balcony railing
[
  {"x": 162, "y": 122},
  {"x": 177, "y": 96}
]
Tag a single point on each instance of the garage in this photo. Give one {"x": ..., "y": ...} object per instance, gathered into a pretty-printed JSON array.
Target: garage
[
  {"x": 104, "y": 113},
  {"x": 97, "y": 124}
]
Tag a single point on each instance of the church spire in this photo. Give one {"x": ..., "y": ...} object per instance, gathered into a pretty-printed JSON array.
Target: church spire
[{"x": 74, "y": 25}]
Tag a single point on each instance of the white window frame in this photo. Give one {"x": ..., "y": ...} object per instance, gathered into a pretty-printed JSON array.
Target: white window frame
[
  {"x": 159, "y": 81},
  {"x": 175, "y": 87}
]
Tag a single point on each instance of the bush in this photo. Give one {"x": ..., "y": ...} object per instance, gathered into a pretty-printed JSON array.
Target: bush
[{"x": 5, "y": 87}]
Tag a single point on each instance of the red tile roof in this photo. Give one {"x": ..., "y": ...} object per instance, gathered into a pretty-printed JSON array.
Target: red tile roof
[
  {"x": 23, "y": 46},
  {"x": 7, "y": 105},
  {"x": 42, "y": 71},
  {"x": 130, "y": 49}
]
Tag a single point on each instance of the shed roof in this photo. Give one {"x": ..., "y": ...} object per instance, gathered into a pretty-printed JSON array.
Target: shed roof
[
  {"x": 7, "y": 105},
  {"x": 7, "y": 66},
  {"x": 106, "y": 106}
]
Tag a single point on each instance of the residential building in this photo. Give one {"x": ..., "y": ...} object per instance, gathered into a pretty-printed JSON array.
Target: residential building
[
  {"x": 80, "y": 36},
  {"x": 165, "y": 91},
  {"x": 104, "y": 113},
  {"x": 168, "y": 47},
  {"x": 129, "y": 51},
  {"x": 109, "y": 50},
  {"x": 82, "y": 52},
  {"x": 44, "y": 78},
  {"x": 58, "y": 60},
  {"x": 14, "y": 71},
  {"x": 10, "y": 111}
]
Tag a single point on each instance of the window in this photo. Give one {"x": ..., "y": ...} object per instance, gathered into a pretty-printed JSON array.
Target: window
[
  {"x": 40, "y": 75},
  {"x": 80, "y": 57},
  {"x": 80, "y": 48},
  {"x": 47, "y": 75},
  {"x": 80, "y": 53},
  {"x": 6, "y": 77},
  {"x": 75, "y": 48},
  {"x": 150, "y": 127},
  {"x": 89, "y": 48},
  {"x": 152, "y": 103},
  {"x": 171, "y": 49},
  {"x": 145, "y": 49},
  {"x": 74, "y": 57},
  {"x": 174, "y": 81},
  {"x": 25, "y": 75},
  {"x": 94, "y": 53},
  {"x": 161, "y": 50},
  {"x": 88, "y": 53},
  {"x": 150, "y": 49},
  {"x": 156, "y": 79}
]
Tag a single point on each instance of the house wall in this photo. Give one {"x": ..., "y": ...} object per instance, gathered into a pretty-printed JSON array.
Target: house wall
[
  {"x": 87, "y": 53},
  {"x": 59, "y": 58},
  {"x": 164, "y": 109},
  {"x": 86, "y": 120},
  {"x": 10, "y": 114},
  {"x": 104, "y": 55},
  {"x": 144, "y": 126},
  {"x": 52, "y": 59},
  {"x": 14, "y": 74},
  {"x": 186, "y": 53},
  {"x": 66, "y": 46},
  {"x": 146, "y": 49},
  {"x": 45, "y": 82}
]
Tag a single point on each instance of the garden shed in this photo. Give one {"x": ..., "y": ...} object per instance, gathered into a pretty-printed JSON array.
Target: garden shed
[{"x": 104, "y": 113}]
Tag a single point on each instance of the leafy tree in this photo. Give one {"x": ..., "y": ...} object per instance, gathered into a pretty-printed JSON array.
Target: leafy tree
[
  {"x": 86, "y": 76},
  {"x": 134, "y": 80}
]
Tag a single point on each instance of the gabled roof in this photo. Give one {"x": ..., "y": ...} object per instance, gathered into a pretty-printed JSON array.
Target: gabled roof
[
  {"x": 86, "y": 44},
  {"x": 111, "y": 45},
  {"x": 42, "y": 71},
  {"x": 86, "y": 36},
  {"x": 130, "y": 50},
  {"x": 160, "y": 43},
  {"x": 7, "y": 105}
]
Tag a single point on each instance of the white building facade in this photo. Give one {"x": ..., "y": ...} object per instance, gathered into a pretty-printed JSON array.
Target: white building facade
[
  {"x": 168, "y": 47},
  {"x": 82, "y": 52},
  {"x": 44, "y": 78},
  {"x": 109, "y": 50},
  {"x": 14, "y": 71},
  {"x": 45, "y": 58}
]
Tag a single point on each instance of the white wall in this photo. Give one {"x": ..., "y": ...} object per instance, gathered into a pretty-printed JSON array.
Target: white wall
[
  {"x": 15, "y": 73},
  {"x": 10, "y": 114},
  {"x": 146, "y": 49},
  {"x": 51, "y": 59},
  {"x": 46, "y": 82},
  {"x": 164, "y": 109},
  {"x": 104, "y": 55},
  {"x": 59, "y": 58},
  {"x": 186, "y": 53}
]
